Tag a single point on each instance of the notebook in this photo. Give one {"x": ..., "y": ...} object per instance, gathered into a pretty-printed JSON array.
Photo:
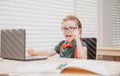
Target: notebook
[{"x": 13, "y": 45}]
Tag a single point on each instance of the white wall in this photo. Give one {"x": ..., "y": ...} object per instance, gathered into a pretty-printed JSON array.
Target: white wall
[
  {"x": 106, "y": 25},
  {"x": 39, "y": 17}
]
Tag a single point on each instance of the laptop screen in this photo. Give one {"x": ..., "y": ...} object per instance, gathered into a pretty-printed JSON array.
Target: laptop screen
[{"x": 13, "y": 43}]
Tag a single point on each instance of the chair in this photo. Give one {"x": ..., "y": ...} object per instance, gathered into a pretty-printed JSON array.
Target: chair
[{"x": 91, "y": 47}]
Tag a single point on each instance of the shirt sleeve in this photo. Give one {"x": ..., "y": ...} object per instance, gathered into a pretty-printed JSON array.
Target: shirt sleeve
[
  {"x": 57, "y": 47},
  {"x": 84, "y": 43}
]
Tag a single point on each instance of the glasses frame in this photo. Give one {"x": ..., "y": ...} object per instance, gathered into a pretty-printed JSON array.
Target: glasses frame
[{"x": 70, "y": 29}]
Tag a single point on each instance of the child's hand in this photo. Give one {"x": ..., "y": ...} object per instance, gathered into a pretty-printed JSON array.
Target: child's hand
[
  {"x": 76, "y": 35},
  {"x": 32, "y": 52}
]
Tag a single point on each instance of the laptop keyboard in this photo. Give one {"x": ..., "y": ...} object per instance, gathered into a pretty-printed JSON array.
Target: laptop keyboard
[{"x": 36, "y": 57}]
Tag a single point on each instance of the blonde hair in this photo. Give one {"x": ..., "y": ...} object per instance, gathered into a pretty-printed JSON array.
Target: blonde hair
[{"x": 73, "y": 18}]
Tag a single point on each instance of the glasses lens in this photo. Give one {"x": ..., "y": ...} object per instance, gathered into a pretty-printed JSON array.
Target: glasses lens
[{"x": 70, "y": 29}]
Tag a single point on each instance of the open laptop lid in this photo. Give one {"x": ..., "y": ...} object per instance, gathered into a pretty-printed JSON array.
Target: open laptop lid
[{"x": 13, "y": 44}]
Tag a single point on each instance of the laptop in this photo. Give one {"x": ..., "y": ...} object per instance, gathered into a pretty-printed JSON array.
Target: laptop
[{"x": 13, "y": 45}]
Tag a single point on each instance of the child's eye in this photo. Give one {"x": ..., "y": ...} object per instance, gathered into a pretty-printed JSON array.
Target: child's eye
[
  {"x": 65, "y": 28},
  {"x": 73, "y": 28},
  {"x": 70, "y": 27}
]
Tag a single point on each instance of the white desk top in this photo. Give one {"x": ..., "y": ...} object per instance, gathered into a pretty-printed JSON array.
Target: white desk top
[{"x": 7, "y": 65}]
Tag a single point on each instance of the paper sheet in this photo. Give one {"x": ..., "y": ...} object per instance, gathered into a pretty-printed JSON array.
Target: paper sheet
[{"x": 38, "y": 68}]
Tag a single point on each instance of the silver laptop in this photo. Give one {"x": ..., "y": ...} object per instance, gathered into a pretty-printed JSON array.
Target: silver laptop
[{"x": 13, "y": 45}]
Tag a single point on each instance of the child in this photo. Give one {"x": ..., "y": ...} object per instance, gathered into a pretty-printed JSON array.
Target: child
[{"x": 72, "y": 46}]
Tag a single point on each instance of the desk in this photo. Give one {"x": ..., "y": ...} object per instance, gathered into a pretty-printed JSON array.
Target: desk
[
  {"x": 109, "y": 51},
  {"x": 7, "y": 65}
]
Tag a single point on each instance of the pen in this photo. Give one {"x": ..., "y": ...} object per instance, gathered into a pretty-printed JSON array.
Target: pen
[{"x": 61, "y": 66}]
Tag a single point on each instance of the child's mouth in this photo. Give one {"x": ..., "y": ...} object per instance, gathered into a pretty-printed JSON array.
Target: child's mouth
[{"x": 68, "y": 36}]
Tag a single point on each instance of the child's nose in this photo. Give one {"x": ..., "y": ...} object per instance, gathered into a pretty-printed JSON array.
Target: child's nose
[{"x": 68, "y": 30}]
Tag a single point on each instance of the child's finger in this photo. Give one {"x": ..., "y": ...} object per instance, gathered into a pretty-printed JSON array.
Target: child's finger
[
  {"x": 30, "y": 51},
  {"x": 75, "y": 32}
]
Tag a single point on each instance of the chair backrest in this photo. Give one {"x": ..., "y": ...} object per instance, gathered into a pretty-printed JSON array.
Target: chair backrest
[{"x": 91, "y": 47}]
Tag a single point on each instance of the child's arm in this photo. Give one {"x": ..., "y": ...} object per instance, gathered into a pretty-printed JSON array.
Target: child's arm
[
  {"x": 41, "y": 53},
  {"x": 82, "y": 49}
]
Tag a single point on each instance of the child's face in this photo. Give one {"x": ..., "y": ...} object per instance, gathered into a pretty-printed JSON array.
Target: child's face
[{"x": 69, "y": 29}]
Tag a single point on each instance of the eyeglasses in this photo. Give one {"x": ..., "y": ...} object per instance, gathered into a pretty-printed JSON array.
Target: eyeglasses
[{"x": 70, "y": 29}]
